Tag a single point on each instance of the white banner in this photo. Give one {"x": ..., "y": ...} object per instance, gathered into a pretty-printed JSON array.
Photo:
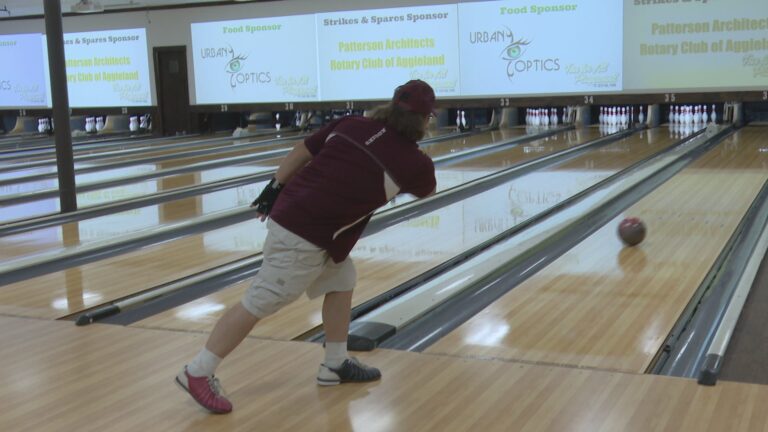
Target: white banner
[
  {"x": 366, "y": 54},
  {"x": 22, "y": 71},
  {"x": 508, "y": 47},
  {"x": 255, "y": 60},
  {"x": 107, "y": 68},
  {"x": 696, "y": 45}
]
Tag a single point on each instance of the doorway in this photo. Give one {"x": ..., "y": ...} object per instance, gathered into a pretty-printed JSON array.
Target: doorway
[{"x": 173, "y": 90}]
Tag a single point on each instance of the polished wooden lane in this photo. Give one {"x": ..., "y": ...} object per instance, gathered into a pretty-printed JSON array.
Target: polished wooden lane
[
  {"x": 69, "y": 291},
  {"x": 87, "y": 148},
  {"x": 128, "y": 222},
  {"x": 97, "y": 147},
  {"x": 138, "y": 168},
  {"x": 393, "y": 256},
  {"x": 58, "y": 377},
  {"x": 223, "y": 147},
  {"x": 142, "y": 188},
  {"x": 605, "y": 306},
  {"x": 139, "y": 188}
]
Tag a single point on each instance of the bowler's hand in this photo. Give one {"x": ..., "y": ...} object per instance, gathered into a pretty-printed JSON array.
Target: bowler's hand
[{"x": 263, "y": 204}]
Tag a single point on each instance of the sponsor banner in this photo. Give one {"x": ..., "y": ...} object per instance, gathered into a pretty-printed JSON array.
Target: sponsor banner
[
  {"x": 696, "y": 44},
  {"x": 255, "y": 60},
  {"x": 22, "y": 71},
  {"x": 508, "y": 47},
  {"x": 107, "y": 68},
  {"x": 366, "y": 54}
]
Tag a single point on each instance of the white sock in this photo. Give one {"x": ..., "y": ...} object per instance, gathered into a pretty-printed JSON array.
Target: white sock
[
  {"x": 204, "y": 364},
  {"x": 335, "y": 354}
]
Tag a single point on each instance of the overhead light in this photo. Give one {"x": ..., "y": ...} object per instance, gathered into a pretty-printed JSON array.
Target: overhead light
[{"x": 87, "y": 6}]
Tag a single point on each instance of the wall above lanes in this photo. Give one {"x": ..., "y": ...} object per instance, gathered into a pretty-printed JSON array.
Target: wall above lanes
[
  {"x": 171, "y": 27},
  {"x": 700, "y": 45},
  {"x": 506, "y": 48}
]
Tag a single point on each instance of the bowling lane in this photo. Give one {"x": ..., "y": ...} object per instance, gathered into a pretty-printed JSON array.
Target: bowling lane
[
  {"x": 117, "y": 153},
  {"x": 393, "y": 256},
  {"x": 127, "y": 222},
  {"x": 143, "y": 167},
  {"x": 142, "y": 188},
  {"x": 146, "y": 187},
  {"x": 96, "y": 145},
  {"x": 96, "y": 283},
  {"x": 112, "y": 173},
  {"x": 137, "y": 154},
  {"x": 605, "y": 306}
]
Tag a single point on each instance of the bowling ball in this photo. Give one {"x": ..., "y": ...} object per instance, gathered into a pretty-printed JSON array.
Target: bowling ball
[{"x": 631, "y": 231}]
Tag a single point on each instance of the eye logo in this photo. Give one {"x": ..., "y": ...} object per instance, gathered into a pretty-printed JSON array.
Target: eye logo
[
  {"x": 239, "y": 76},
  {"x": 513, "y": 51},
  {"x": 235, "y": 64}
]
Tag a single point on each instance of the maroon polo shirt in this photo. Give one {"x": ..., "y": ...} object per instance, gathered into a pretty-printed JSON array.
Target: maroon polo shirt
[{"x": 330, "y": 200}]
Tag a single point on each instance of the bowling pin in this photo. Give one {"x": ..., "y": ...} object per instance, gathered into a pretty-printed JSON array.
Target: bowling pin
[
  {"x": 277, "y": 121},
  {"x": 463, "y": 119},
  {"x": 704, "y": 114},
  {"x": 714, "y": 115},
  {"x": 99, "y": 123},
  {"x": 133, "y": 125},
  {"x": 641, "y": 116}
]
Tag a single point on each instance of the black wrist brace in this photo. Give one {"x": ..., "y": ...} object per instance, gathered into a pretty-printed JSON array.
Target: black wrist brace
[{"x": 267, "y": 198}]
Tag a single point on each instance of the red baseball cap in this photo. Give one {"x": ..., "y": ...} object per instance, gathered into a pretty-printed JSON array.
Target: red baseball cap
[{"x": 416, "y": 96}]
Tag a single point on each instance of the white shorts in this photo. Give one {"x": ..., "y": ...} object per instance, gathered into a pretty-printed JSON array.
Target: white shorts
[{"x": 292, "y": 266}]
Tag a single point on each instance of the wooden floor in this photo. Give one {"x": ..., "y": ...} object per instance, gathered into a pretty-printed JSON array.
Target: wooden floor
[
  {"x": 605, "y": 306},
  {"x": 128, "y": 222},
  {"x": 70, "y": 291},
  {"x": 396, "y": 255},
  {"x": 58, "y": 377},
  {"x": 562, "y": 352},
  {"x": 126, "y": 191},
  {"x": 113, "y": 155}
]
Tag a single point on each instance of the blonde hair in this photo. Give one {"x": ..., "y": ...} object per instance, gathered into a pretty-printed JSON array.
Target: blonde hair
[{"x": 410, "y": 125}]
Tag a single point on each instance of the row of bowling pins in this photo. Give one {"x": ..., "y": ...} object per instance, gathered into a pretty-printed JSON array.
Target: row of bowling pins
[
  {"x": 687, "y": 114},
  {"x": 94, "y": 124},
  {"x": 619, "y": 116},
  {"x": 138, "y": 122},
  {"x": 296, "y": 120},
  {"x": 461, "y": 119},
  {"x": 543, "y": 116},
  {"x": 609, "y": 129},
  {"x": 44, "y": 125},
  {"x": 682, "y": 130}
]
